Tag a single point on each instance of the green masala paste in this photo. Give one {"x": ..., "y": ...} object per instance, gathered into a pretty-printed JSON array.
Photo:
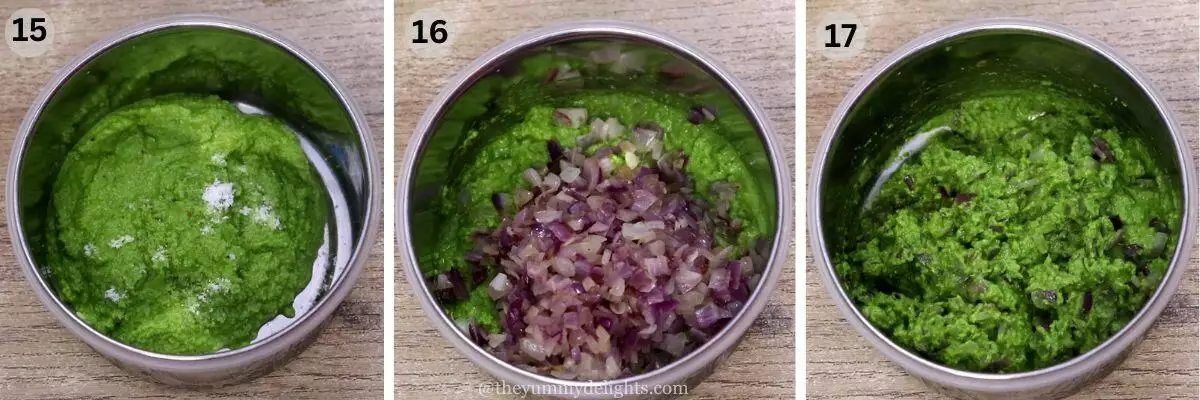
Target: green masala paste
[
  {"x": 181, "y": 225},
  {"x": 1027, "y": 231},
  {"x": 513, "y": 138}
]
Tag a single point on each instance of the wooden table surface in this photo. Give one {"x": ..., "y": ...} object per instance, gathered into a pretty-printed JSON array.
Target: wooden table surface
[
  {"x": 1159, "y": 37},
  {"x": 41, "y": 360},
  {"x": 754, "y": 40}
]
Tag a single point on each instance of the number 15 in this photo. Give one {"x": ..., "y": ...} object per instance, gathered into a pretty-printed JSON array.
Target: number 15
[{"x": 39, "y": 31}]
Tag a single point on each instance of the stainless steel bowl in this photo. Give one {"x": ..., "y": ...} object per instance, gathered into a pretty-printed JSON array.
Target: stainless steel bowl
[
  {"x": 942, "y": 67},
  {"x": 424, "y": 170},
  {"x": 191, "y": 54}
]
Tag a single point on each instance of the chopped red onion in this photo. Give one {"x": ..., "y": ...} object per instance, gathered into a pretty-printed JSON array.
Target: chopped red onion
[
  {"x": 643, "y": 200},
  {"x": 695, "y": 115},
  {"x": 564, "y": 267},
  {"x": 602, "y": 129},
  {"x": 443, "y": 282},
  {"x": 499, "y": 287},
  {"x": 718, "y": 282},
  {"x": 565, "y": 72},
  {"x": 559, "y": 230},
  {"x": 629, "y": 61},
  {"x": 604, "y": 270},
  {"x": 591, "y": 172},
  {"x": 532, "y": 348},
  {"x": 522, "y": 196},
  {"x": 646, "y": 135},
  {"x": 577, "y": 224},
  {"x": 545, "y": 216},
  {"x": 608, "y": 54},
  {"x": 531, "y": 176},
  {"x": 561, "y": 73},
  {"x": 571, "y": 117},
  {"x": 657, "y": 266},
  {"x": 607, "y": 165},
  {"x": 686, "y": 279},
  {"x": 570, "y": 174},
  {"x": 676, "y": 69},
  {"x": 631, "y": 159},
  {"x": 551, "y": 182},
  {"x": 709, "y": 314}
]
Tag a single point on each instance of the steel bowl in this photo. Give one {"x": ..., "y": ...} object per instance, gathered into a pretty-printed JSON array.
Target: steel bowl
[
  {"x": 945, "y": 66},
  {"x": 190, "y": 54},
  {"x": 424, "y": 171}
]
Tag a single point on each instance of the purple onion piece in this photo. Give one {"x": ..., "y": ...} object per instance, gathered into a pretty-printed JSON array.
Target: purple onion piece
[
  {"x": 605, "y": 322},
  {"x": 479, "y": 275},
  {"x": 458, "y": 286},
  {"x": 1101, "y": 151},
  {"x": 740, "y": 293},
  {"x": 560, "y": 231},
  {"x": 1116, "y": 221},
  {"x": 710, "y": 314},
  {"x": 665, "y": 307},
  {"x": 556, "y": 150},
  {"x": 695, "y": 115},
  {"x": 498, "y": 202},
  {"x": 646, "y": 134},
  {"x": 477, "y": 334}
]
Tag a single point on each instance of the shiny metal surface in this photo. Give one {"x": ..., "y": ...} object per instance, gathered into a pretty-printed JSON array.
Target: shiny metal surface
[
  {"x": 426, "y": 167},
  {"x": 252, "y": 68},
  {"x": 944, "y": 67}
]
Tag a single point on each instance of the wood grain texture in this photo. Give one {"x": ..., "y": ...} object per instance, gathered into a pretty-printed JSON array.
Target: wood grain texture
[
  {"x": 41, "y": 360},
  {"x": 1159, "y": 37},
  {"x": 753, "y": 39}
]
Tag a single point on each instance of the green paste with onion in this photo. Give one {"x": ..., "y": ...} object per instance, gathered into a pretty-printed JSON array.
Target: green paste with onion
[
  {"x": 1028, "y": 230},
  {"x": 181, "y": 225},
  {"x": 513, "y": 137}
]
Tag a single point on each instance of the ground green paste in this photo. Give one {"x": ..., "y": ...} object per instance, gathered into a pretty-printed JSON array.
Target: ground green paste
[
  {"x": 1026, "y": 232},
  {"x": 513, "y": 138},
  {"x": 181, "y": 225}
]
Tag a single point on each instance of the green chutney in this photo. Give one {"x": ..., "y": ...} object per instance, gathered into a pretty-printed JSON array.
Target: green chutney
[
  {"x": 1025, "y": 233},
  {"x": 180, "y": 225}
]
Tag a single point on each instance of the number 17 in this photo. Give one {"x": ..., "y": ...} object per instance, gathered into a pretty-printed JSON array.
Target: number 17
[{"x": 832, "y": 28}]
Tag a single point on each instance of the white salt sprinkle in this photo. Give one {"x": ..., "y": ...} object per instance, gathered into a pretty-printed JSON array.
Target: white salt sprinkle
[
  {"x": 113, "y": 295},
  {"x": 265, "y": 216},
  {"x": 121, "y": 241},
  {"x": 159, "y": 255},
  {"x": 212, "y": 288},
  {"x": 218, "y": 195}
]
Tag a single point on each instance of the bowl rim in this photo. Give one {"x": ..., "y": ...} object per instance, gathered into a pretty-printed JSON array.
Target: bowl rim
[
  {"x": 272, "y": 344},
  {"x": 684, "y": 367},
  {"x": 1092, "y": 360}
]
